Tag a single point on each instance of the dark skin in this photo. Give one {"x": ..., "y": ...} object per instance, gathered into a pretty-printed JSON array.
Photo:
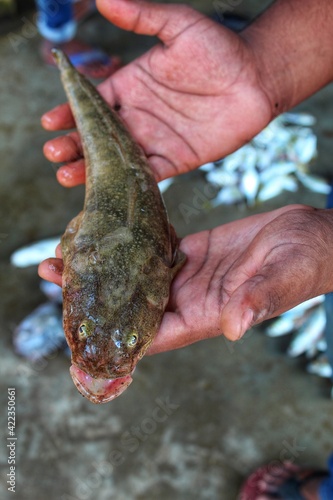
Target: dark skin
[{"x": 188, "y": 103}]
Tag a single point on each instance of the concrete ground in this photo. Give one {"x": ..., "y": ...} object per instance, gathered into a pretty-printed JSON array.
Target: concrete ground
[{"x": 195, "y": 422}]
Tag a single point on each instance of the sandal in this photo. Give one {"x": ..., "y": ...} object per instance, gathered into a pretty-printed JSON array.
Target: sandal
[{"x": 289, "y": 489}]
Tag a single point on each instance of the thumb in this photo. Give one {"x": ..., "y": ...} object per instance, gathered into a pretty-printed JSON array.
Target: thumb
[
  {"x": 146, "y": 18},
  {"x": 261, "y": 297}
]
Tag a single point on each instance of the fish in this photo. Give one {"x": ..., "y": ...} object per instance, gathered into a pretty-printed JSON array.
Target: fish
[
  {"x": 34, "y": 253},
  {"x": 303, "y": 119},
  {"x": 276, "y": 186},
  {"x": 321, "y": 367},
  {"x": 40, "y": 333},
  {"x": 315, "y": 183},
  {"x": 293, "y": 318},
  {"x": 120, "y": 253},
  {"x": 164, "y": 185},
  {"x": 309, "y": 334}
]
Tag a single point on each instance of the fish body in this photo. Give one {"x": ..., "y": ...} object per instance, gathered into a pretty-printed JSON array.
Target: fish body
[{"x": 120, "y": 253}]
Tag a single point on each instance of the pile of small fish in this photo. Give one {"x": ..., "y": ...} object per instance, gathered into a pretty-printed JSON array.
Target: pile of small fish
[
  {"x": 306, "y": 323},
  {"x": 41, "y": 333},
  {"x": 276, "y": 160}
]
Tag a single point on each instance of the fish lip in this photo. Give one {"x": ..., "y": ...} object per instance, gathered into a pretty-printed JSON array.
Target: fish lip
[{"x": 104, "y": 390}]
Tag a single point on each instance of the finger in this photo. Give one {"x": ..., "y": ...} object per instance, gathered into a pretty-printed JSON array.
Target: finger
[
  {"x": 73, "y": 174},
  {"x": 59, "y": 118},
  {"x": 175, "y": 333},
  {"x": 51, "y": 270},
  {"x": 146, "y": 18},
  {"x": 172, "y": 335},
  {"x": 262, "y": 297},
  {"x": 64, "y": 149},
  {"x": 58, "y": 251}
]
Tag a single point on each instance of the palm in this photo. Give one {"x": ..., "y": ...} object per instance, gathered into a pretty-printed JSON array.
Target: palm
[
  {"x": 185, "y": 107},
  {"x": 198, "y": 293}
]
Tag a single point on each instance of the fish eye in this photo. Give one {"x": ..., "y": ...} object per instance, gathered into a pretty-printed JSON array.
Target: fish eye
[
  {"x": 132, "y": 339},
  {"x": 83, "y": 331}
]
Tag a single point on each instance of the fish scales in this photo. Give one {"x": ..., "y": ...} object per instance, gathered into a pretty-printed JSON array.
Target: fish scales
[{"x": 120, "y": 253}]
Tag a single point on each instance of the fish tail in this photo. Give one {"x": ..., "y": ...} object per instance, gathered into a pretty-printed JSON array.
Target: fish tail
[{"x": 60, "y": 59}]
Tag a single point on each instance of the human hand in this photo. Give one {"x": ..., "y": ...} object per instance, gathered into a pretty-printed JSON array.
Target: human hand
[
  {"x": 248, "y": 271},
  {"x": 193, "y": 98},
  {"x": 243, "y": 273}
]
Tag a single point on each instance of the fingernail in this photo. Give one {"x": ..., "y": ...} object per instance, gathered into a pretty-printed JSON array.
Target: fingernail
[{"x": 56, "y": 267}]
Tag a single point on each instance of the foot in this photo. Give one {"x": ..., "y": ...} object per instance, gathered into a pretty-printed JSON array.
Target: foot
[
  {"x": 270, "y": 483},
  {"x": 91, "y": 62}
]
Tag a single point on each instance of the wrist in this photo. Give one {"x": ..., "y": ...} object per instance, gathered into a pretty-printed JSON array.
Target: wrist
[
  {"x": 276, "y": 83},
  {"x": 292, "y": 44}
]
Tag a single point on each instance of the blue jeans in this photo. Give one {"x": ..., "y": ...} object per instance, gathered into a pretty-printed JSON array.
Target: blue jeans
[
  {"x": 326, "y": 487},
  {"x": 329, "y": 306},
  {"x": 56, "y": 21}
]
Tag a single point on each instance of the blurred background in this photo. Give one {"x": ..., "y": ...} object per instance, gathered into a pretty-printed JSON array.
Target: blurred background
[{"x": 195, "y": 422}]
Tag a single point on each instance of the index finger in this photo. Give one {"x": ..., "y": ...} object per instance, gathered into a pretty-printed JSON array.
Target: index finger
[{"x": 58, "y": 118}]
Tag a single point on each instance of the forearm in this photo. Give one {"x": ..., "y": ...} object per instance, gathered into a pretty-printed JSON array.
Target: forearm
[{"x": 293, "y": 46}]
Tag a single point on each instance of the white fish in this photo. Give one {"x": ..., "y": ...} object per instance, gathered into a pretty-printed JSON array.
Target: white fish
[
  {"x": 284, "y": 325},
  {"x": 305, "y": 148},
  {"x": 314, "y": 348},
  {"x": 294, "y": 318},
  {"x": 277, "y": 169},
  {"x": 31, "y": 255},
  {"x": 207, "y": 167},
  {"x": 228, "y": 196},
  {"x": 303, "y": 119},
  {"x": 242, "y": 159},
  {"x": 163, "y": 185},
  {"x": 322, "y": 344},
  {"x": 276, "y": 186},
  {"x": 53, "y": 292},
  {"x": 222, "y": 177},
  {"x": 40, "y": 333},
  {"x": 290, "y": 320},
  {"x": 249, "y": 185},
  {"x": 314, "y": 183},
  {"x": 267, "y": 136},
  {"x": 307, "y": 304},
  {"x": 309, "y": 334},
  {"x": 321, "y": 367},
  {"x": 265, "y": 159}
]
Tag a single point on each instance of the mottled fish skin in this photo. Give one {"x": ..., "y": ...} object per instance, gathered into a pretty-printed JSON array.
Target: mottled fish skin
[{"x": 120, "y": 253}]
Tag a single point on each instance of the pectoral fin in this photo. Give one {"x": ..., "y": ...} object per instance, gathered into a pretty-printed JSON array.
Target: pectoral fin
[
  {"x": 70, "y": 233},
  {"x": 178, "y": 257}
]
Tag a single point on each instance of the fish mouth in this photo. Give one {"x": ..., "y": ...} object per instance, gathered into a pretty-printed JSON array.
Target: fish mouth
[{"x": 99, "y": 390}]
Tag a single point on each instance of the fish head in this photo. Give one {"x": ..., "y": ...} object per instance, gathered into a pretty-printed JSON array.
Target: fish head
[
  {"x": 108, "y": 351},
  {"x": 108, "y": 338}
]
